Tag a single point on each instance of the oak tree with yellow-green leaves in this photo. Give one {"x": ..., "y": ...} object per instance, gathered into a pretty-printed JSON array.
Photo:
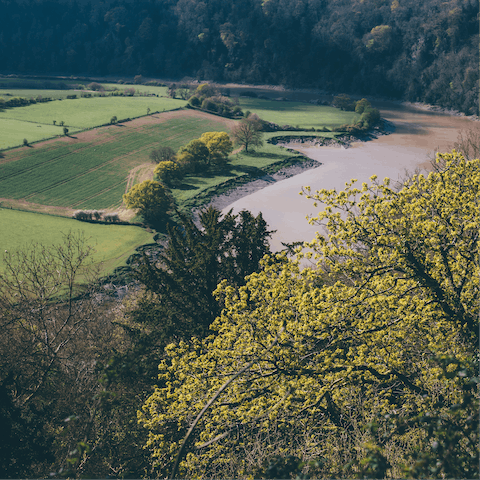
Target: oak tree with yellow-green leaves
[
  {"x": 210, "y": 150},
  {"x": 167, "y": 172},
  {"x": 150, "y": 199},
  {"x": 362, "y": 366}
]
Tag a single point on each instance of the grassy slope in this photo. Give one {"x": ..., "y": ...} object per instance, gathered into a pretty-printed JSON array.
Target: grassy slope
[
  {"x": 35, "y": 122},
  {"x": 14, "y": 131},
  {"x": 51, "y": 93},
  {"x": 113, "y": 243}
]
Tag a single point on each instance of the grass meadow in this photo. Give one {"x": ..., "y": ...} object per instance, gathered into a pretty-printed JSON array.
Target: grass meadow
[
  {"x": 298, "y": 114},
  {"x": 12, "y": 132},
  {"x": 12, "y": 91},
  {"x": 113, "y": 244}
]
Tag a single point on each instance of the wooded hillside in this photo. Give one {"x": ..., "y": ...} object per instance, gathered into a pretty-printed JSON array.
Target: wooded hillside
[{"x": 421, "y": 51}]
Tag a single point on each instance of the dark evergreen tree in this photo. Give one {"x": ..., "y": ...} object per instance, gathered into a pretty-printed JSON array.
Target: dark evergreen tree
[{"x": 179, "y": 301}]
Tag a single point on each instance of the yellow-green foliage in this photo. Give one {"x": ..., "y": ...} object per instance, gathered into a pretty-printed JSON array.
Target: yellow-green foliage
[
  {"x": 212, "y": 148},
  {"x": 327, "y": 350},
  {"x": 150, "y": 198},
  {"x": 166, "y": 172},
  {"x": 219, "y": 146}
]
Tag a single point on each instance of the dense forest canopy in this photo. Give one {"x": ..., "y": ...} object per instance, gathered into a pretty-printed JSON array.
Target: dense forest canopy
[{"x": 421, "y": 51}]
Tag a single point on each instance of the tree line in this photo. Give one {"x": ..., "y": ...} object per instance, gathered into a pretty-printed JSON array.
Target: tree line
[{"x": 420, "y": 51}]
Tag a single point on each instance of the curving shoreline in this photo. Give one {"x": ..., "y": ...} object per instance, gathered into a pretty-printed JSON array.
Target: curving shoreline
[{"x": 223, "y": 200}]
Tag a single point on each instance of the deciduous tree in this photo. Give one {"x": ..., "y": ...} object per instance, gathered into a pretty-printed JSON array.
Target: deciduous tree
[
  {"x": 219, "y": 147},
  {"x": 52, "y": 339},
  {"x": 162, "y": 154},
  {"x": 247, "y": 133},
  {"x": 194, "y": 156},
  {"x": 166, "y": 172},
  {"x": 303, "y": 360},
  {"x": 150, "y": 198}
]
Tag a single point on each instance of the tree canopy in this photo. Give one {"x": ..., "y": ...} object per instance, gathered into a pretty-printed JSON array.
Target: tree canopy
[
  {"x": 150, "y": 198},
  {"x": 166, "y": 172},
  {"x": 421, "y": 51},
  {"x": 219, "y": 147},
  {"x": 341, "y": 363},
  {"x": 211, "y": 149},
  {"x": 177, "y": 301}
]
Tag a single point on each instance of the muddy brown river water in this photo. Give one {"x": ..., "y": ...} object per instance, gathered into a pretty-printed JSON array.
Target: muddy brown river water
[{"x": 418, "y": 134}]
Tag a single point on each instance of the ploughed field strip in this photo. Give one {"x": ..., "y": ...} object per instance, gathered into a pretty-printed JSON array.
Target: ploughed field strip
[{"x": 92, "y": 174}]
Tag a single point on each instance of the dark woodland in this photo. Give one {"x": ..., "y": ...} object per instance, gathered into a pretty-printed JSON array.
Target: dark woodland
[{"x": 419, "y": 51}]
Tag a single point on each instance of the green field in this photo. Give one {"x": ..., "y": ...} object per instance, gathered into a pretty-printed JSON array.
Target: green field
[
  {"x": 303, "y": 115},
  {"x": 12, "y": 132},
  {"x": 13, "y": 91},
  {"x": 79, "y": 114},
  {"x": 113, "y": 244},
  {"x": 35, "y": 122},
  {"x": 93, "y": 175}
]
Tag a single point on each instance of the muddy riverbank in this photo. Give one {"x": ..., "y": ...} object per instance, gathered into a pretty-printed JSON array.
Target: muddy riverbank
[{"x": 417, "y": 135}]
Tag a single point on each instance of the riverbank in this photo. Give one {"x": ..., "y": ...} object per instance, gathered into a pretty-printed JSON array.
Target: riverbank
[
  {"x": 295, "y": 144},
  {"x": 416, "y": 136},
  {"x": 223, "y": 200}
]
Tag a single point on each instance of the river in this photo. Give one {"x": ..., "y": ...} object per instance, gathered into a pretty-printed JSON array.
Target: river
[{"x": 417, "y": 135}]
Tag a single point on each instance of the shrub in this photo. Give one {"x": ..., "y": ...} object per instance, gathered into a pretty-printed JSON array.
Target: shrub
[
  {"x": 95, "y": 87},
  {"x": 194, "y": 101},
  {"x": 71, "y": 97},
  {"x": 205, "y": 90},
  {"x": 362, "y": 105},
  {"x": 370, "y": 115},
  {"x": 209, "y": 105},
  {"x": 343, "y": 102},
  {"x": 25, "y": 142},
  {"x": 111, "y": 217},
  {"x": 237, "y": 111}
]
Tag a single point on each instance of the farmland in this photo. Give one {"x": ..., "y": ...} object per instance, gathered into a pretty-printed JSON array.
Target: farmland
[
  {"x": 303, "y": 115},
  {"x": 95, "y": 165},
  {"x": 93, "y": 173},
  {"x": 92, "y": 170},
  {"x": 35, "y": 122}
]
